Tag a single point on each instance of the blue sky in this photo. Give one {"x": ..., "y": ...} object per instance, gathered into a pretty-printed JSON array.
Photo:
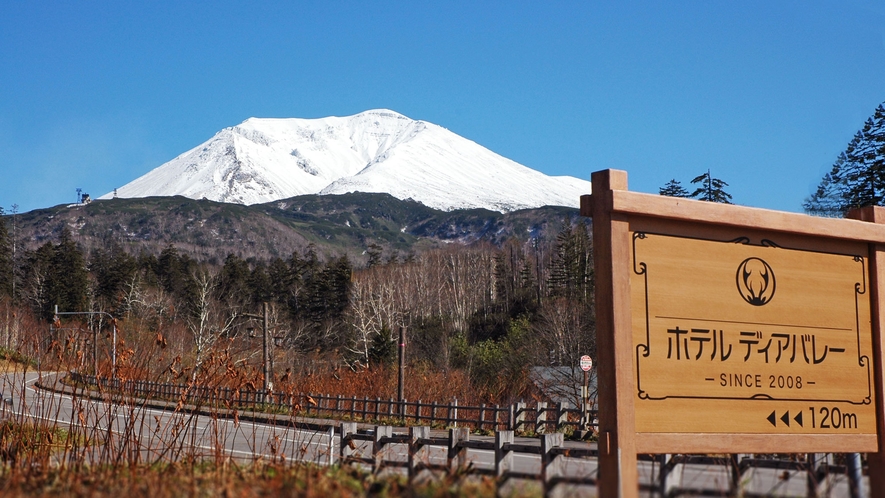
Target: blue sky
[{"x": 765, "y": 94}]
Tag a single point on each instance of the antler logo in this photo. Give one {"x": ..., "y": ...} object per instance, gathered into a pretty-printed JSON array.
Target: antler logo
[{"x": 755, "y": 281}]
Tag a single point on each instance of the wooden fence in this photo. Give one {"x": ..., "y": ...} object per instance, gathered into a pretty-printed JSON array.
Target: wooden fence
[
  {"x": 540, "y": 418},
  {"x": 419, "y": 440},
  {"x": 813, "y": 472},
  {"x": 550, "y": 448}
]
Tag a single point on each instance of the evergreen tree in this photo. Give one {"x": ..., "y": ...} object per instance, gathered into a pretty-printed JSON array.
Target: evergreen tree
[
  {"x": 233, "y": 287},
  {"x": 113, "y": 269},
  {"x": 260, "y": 285},
  {"x": 710, "y": 189},
  {"x": 57, "y": 275},
  {"x": 70, "y": 279},
  {"x": 673, "y": 189},
  {"x": 175, "y": 273},
  {"x": 571, "y": 271},
  {"x": 857, "y": 178}
]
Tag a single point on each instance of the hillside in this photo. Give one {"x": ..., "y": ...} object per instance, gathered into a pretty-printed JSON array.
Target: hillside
[{"x": 334, "y": 224}]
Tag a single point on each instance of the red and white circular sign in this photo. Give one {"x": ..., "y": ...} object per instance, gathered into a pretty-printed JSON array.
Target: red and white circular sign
[{"x": 586, "y": 363}]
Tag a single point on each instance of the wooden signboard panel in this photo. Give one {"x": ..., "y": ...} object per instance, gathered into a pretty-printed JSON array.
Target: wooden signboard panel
[
  {"x": 746, "y": 336},
  {"x": 725, "y": 329}
]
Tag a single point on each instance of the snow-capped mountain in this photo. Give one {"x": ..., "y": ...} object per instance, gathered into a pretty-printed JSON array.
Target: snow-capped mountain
[{"x": 263, "y": 160}]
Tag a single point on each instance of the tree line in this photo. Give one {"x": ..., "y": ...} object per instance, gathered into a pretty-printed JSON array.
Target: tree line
[{"x": 492, "y": 312}]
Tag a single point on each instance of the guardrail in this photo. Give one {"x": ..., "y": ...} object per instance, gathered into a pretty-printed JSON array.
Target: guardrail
[{"x": 540, "y": 418}]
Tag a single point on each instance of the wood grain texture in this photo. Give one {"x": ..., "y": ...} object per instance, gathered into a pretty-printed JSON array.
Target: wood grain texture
[
  {"x": 618, "y": 475},
  {"x": 876, "y": 457},
  {"x": 656, "y": 443},
  {"x": 688, "y": 210}
]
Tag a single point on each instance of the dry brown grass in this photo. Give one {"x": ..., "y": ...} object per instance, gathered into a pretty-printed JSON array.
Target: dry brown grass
[{"x": 43, "y": 458}]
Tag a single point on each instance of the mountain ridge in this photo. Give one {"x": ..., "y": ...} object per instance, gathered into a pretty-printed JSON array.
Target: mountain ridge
[{"x": 334, "y": 224}]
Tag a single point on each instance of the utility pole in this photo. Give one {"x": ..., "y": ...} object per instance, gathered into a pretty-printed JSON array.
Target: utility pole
[
  {"x": 400, "y": 374},
  {"x": 265, "y": 347},
  {"x": 95, "y": 337}
]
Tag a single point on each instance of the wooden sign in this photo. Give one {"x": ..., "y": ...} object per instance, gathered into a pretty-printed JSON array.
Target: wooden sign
[
  {"x": 727, "y": 329},
  {"x": 748, "y": 336}
]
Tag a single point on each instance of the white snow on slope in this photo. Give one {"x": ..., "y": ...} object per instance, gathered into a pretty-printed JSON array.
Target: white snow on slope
[{"x": 263, "y": 160}]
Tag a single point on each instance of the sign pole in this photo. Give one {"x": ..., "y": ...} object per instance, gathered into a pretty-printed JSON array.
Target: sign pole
[
  {"x": 876, "y": 461},
  {"x": 618, "y": 474}
]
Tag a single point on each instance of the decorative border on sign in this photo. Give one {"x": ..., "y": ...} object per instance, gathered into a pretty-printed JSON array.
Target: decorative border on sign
[{"x": 643, "y": 350}]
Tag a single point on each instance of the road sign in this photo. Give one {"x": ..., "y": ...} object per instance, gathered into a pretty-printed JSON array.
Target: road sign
[{"x": 586, "y": 363}]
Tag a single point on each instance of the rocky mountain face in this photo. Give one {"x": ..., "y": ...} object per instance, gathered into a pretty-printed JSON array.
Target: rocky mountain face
[{"x": 333, "y": 224}]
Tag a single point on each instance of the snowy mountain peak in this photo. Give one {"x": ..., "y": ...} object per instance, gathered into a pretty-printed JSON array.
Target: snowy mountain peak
[{"x": 266, "y": 159}]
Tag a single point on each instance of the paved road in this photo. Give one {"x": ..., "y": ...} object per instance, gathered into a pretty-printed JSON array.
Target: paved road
[{"x": 131, "y": 433}]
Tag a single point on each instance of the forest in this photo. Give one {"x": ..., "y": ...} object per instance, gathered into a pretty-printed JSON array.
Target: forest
[{"x": 477, "y": 318}]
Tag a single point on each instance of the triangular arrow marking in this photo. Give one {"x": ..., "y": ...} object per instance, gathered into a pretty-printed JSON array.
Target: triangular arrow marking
[
  {"x": 786, "y": 418},
  {"x": 773, "y": 419},
  {"x": 798, "y": 419}
]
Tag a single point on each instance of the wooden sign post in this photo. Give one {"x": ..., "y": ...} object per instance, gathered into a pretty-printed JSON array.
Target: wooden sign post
[{"x": 727, "y": 329}]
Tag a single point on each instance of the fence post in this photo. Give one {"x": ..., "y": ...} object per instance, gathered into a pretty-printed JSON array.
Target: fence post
[
  {"x": 541, "y": 417},
  {"x": 734, "y": 462},
  {"x": 551, "y": 463},
  {"x": 332, "y": 445},
  {"x": 503, "y": 454},
  {"x": 482, "y": 415},
  {"x": 562, "y": 414},
  {"x": 670, "y": 476},
  {"x": 519, "y": 417},
  {"x": 346, "y": 444},
  {"x": 416, "y": 448},
  {"x": 378, "y": 444},
  {"x": 432, "y": 413},
  {"x": 455, "y": 408},
  {"x": 812, "y": 460},
  {"x": 457, "y": 452}
]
